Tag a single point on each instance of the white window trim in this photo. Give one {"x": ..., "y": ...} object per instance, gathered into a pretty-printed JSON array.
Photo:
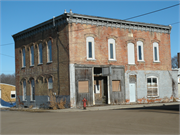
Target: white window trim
[
  {"x": 155, "y": 44},
  {"x": 39, "y": 55},
  {"x": 23, "y": 57},
  {"x": 31, "y": 56},
  {"x": 48, "y": 60},
  {"x": 128, "y": 54},
  {"x": 154, "y": 87},
  {"x": 13, "y": 92},
  {"x": 140, "y": 43},
  {"x": 24, "y": 89},
  {"x": 90, "y": 39},
  {"x": 112, "y": 41}
]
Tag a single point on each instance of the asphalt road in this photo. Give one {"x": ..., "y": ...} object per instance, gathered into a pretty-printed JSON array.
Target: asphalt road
[{"x": 149, "y": 120}]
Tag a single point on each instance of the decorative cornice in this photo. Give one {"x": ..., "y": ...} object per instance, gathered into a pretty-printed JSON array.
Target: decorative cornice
[{"x": 92, "y": 20}]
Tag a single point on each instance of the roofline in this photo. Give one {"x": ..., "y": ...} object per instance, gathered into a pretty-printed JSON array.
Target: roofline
[
  {"x": 8, "y": 84},
  {"x": 73, "y": 17}
]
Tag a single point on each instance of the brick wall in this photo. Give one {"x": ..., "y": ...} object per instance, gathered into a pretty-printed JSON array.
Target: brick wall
[{"x": 122, "y": 37}]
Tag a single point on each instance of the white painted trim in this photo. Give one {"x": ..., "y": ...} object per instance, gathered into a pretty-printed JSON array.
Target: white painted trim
[
  {"x": 109, "y": 101},
  {"x": 112, "y": 41},
  {"x": 72, "y": 86},
  {"x": 154, "y": 87},
  {"x": 155, "y": 44},
  {"x": 132, "y": 55},
  {"x": 90, "y": 39},
  {"x": 93, "y": 85},
  {"x": 140, "y": 43}
]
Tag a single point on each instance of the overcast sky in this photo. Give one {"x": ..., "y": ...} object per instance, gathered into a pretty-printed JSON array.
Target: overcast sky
[{"x": 20, "y": 15}]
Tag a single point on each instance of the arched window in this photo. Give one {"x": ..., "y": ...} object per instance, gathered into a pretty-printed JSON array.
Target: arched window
[
  {"x": 152, "y": 86},
  {"x": 131, "y": 58},
  {"x": 49, "y": 51},
  {"x": 23, "y": 58},
  {"x": 32, "y": 90},
  {"x": 140, "y": 53},
  {"x": 90, "y": 48},
  {"x": 50, "y": 83},
  {"x": 156, "y": 52},
  {"x": 40, "y": 54},
  {"x": 32, "y": 56},
  {"x": 24, "y": 90},
  {"x": 111, "y": 49}
]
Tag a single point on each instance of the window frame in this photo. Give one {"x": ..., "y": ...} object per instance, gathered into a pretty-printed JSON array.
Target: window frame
[
  {"x": 140, "y": 43},
  {"x": 153, "y": 87},
  {"x": 31, "y": 88},
  {"x": 49, "y": 52},
  {"x": 39, "y": 56},
  {"x": 24, "y": 89},
  {"x": 112, "y": 41},
  {"x": 14, "y": 92},
  {"x": 23, "y": 58},
  {"x": 31, "y": 56},
  {"x": 155, "y": 44},
  {"x": 133, "y": 54},
  {"x": 90, "y": 39},
  {"x": 49, "y": 83}
]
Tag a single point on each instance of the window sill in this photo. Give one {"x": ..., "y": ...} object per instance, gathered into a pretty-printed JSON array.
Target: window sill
[
  {"x": 91, "y": 59},
  {"x": 112, "y": 60},
  {"x": 24, "y": 101},
  {"x": 152, "y": 96},
  {"x": 32, "y": 101},
  {"x": 40, "y": 64},
  {"x": 49, "y": 62},
  {"x": 141, "y": 61},
  {"x": 23, "y": 67},
  {"x": 132, "y": 64},
  {"x": 156, "y": 61},
  {"x": 31, "y": 66}
]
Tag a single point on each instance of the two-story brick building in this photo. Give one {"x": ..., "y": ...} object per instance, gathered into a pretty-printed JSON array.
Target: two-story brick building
[{"x": 107, "y": 61}]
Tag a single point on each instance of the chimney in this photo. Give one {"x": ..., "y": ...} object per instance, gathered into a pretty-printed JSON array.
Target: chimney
[{"x": 178, "y": 59}]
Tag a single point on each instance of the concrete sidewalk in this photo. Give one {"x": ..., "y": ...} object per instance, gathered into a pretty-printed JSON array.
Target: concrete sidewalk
[{"x": 112, "y": 107}]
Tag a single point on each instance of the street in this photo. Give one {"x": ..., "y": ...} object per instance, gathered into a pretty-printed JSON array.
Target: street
[{"x": 149, "y": 120}]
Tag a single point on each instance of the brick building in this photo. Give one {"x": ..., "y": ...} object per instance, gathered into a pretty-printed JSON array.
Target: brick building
[{"x": 107, "y": 61}]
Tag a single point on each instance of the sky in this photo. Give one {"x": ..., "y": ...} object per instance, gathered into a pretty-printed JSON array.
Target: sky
[{"x": 16, "y": 16}]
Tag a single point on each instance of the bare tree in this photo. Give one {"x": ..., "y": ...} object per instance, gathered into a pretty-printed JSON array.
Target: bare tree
[
  {"x": 174, "y": 62},
  {"x": 9, "y": 78}
]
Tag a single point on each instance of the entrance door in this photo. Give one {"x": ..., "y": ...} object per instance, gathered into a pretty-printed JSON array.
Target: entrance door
[
  {"x": 132, "y": 92},
  {"x": 100, "y": 90}
]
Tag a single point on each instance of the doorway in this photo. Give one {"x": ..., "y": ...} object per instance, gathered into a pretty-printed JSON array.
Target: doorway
[{"x": 132, "y": 93}]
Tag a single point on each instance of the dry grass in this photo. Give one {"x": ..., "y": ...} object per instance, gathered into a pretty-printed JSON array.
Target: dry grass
[
  {"x": 31, "y": 106},
  {"x": 61, "y": 104}
]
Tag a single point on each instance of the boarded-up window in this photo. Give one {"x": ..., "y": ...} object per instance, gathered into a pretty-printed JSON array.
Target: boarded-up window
[
  {"x": 116, "y": 85},
  {"x": 83, "y": 86}
]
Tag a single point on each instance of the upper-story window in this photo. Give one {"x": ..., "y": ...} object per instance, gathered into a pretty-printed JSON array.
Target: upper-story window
[
  {"x": 24, "y": 90},
  {"x": 111, "y": 49},
  {"x": 32, "y": 90},
  {"x": 23, "y": 58},
  {"x": 50, "y": 83},
  {"x": 32, "y": 56},
  {"x": 49, "y": 51},
  {"x": 156, "y": 52},
  {"x": 140, "y": 52},
  {"x": 131, "y": 58},
  {"x": 40, "y": 54},
  {"x": 90, "y": 48}
]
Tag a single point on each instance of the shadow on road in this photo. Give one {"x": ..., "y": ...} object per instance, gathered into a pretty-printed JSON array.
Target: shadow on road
[{"x": 163, "y": 109}]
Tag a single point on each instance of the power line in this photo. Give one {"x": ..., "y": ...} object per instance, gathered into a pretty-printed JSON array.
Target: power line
[
  {"x": 152, "y": 12},
  {"x": 6, "y": 44},
  {"x": 7, "y": 55},
  {"x": 174, "y": 23}
]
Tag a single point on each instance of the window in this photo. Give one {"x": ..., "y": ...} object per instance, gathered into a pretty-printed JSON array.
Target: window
[
  {"x": 32, "y": 90},
  {"x": 49, "y": 51},
  {"x": 32, "y": 56},
  {"x": 83, "y": 86},
  {"x": 140, "y": 53},
  {"x": 131, "y": 53},
  {"x": 116, "y": 85},
  {"x": 156, "y": 52},
  {"x": 24, "y": 90},
  {"x": 40, "y": 54},
  {"x": 23, "y": 58},
  {"x": 50, "y": 83},
  {"x": 111, "y": 48},
  {"x": 90, "y": 48},
  {"x": 13, "y": 94},
  {"x": 152, "y": 86}
]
